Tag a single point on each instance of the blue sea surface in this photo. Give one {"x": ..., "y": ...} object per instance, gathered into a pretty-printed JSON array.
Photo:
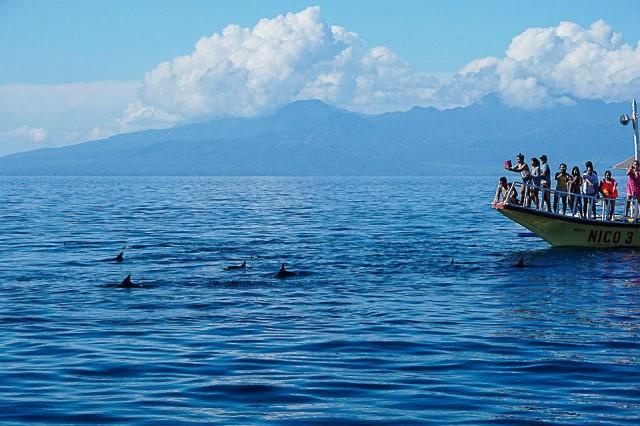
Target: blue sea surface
[{"x": 379, "y": 327}]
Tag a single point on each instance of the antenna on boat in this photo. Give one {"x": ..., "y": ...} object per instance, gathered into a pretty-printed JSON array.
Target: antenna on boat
[{"x": 625, "y": 119}]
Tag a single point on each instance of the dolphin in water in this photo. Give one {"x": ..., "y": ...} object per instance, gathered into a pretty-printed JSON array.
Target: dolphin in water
[
  {"x": 126, "y": 283},
  {"x": 283, "y": 273},
  {"x": 234, "y": 267},
  {"x": 520, "y": 263},
  {"x": 118, "y": 259}
]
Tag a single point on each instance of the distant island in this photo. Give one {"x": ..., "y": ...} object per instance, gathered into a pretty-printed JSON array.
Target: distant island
[{"x": 310, "y": 138}]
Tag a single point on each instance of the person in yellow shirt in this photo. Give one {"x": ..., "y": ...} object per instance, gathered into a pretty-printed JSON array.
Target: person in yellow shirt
[{"x": 562, "y": 179}]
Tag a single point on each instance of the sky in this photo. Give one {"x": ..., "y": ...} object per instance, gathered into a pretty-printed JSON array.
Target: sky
[{"x": 76, "y": 70}]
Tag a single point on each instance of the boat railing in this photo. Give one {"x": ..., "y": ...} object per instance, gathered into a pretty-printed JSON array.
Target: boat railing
[{"x": 563, "y": 203}]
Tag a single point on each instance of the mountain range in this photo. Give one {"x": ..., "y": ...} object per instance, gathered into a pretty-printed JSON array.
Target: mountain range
[{"x": 310, "y": 138}]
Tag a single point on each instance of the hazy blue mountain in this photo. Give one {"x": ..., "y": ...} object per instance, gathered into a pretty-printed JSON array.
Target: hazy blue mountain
[{"x": 312, "y": 138}]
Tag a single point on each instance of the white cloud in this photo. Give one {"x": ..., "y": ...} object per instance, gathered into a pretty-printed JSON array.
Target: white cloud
[
  {"x": 244, "y": 72},
  {"x": 253, "y": 71},
  {"x": 561, "y": 64},
  {"x": 23, "y": 138},
  {"x": 24, "y": 133}
]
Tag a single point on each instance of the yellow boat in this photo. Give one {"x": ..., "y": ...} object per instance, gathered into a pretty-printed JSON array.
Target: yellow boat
[
  {"x": 572, "y": 229},
  {"x": 567, "y": 231}
]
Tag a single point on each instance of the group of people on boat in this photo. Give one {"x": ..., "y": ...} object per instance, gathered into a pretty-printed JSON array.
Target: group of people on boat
[{"x": 576, "y": 191}]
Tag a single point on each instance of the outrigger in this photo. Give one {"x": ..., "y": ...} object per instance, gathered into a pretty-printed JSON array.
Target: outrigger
[{"x": 596, "y": 229}]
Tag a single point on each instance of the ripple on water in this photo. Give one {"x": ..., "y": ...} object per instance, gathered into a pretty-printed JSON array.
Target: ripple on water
[{"x": 379, "y": 327}]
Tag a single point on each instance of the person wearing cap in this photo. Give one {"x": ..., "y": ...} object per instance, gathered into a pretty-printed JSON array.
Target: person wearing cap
[
  {"x": 522, "y": 168},
  {"x": 545, "y": 182}
]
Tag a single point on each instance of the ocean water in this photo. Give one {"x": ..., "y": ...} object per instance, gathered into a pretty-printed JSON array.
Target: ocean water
[{"x": 378, "y": 327}]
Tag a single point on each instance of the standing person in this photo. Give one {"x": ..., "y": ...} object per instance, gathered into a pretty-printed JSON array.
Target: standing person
[
  {"x": 588, "y": 164},
  {"x": 633, "y": 186},
  {"x": 562, "y": 179},
  {"x": 522, "y": 168},
  {"x": 575, "y": 182},
  {"x": 536, "y": 179},
  {"x": 545, "y": 182},
  {"x": 589, "y": 188},
  {"x": 609, "y": 190}
]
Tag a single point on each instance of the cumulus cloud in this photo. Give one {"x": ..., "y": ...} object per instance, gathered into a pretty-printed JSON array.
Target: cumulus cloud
[
  {"x": 246, "y": 72},
  {"x": 561, "y": 64}
]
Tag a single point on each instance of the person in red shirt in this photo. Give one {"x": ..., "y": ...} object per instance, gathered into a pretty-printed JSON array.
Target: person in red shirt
[{"x": 609, "y": 190}]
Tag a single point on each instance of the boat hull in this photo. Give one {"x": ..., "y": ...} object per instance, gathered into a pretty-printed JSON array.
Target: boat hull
[{"x": 565, "y": 231}]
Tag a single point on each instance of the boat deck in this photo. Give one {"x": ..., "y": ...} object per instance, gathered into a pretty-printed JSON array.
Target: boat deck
[
  {"x": 579, "y": 207},
  {"x": 594, "y": 227}
]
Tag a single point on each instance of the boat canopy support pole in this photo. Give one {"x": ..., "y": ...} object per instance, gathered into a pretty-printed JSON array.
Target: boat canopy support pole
[
  {"x": 624, "y": 120},
  {"x": 634, "y": 120}
]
